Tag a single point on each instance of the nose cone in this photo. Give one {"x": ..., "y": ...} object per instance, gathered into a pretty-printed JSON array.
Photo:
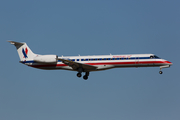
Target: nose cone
[{"x": 167, "y": 62}]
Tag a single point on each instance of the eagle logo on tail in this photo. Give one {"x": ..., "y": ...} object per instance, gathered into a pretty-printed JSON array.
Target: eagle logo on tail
[{"x": 25, "y": 52}]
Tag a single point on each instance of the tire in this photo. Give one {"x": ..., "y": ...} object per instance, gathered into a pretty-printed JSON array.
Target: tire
[
  {"x": 79, "y": 75},
  {"x": 85, "y": 77}
]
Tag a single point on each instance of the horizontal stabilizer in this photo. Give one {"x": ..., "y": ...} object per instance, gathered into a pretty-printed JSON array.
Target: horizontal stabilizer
[{"x": 16, "y": 43}]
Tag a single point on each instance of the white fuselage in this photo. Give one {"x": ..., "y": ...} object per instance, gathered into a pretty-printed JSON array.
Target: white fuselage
[{"x": 103, "y": 62}]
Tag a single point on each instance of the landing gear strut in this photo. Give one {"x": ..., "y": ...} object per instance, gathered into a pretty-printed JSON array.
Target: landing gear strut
[
  {"x": 85, "y": 77},
  {"x": 80, "y": 70},
  {"x": 160, "y": 72}
]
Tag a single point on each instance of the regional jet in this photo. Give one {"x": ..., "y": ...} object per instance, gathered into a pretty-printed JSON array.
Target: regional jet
[{"x": 87, "y": 64}]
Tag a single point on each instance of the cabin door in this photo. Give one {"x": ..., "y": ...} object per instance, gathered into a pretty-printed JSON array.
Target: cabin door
[{"x": 137, "y": 60}]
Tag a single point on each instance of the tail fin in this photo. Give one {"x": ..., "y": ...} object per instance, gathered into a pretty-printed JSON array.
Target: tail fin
[{"x": 23, "y": 50}]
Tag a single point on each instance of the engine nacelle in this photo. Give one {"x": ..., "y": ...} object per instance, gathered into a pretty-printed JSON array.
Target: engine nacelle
[{"x": 46, "y": 59}]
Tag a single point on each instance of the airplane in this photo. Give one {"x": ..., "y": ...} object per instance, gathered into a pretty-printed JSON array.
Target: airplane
[{"x": 87, "y": 64}]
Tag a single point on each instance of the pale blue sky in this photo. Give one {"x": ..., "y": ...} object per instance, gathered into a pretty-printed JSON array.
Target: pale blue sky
[{"x": 96, "y": 27}]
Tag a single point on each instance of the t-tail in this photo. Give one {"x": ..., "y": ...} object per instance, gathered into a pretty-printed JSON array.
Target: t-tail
[
  {"x": 25, "y": 54},
  {"x": 24, "y": 51}
]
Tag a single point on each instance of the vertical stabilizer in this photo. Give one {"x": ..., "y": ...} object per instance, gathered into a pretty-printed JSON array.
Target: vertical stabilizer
[{"x": 23, "y": 50}]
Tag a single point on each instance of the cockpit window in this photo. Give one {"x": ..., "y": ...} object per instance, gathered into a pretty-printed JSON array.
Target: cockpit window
[{"x": 154, "y": 56}]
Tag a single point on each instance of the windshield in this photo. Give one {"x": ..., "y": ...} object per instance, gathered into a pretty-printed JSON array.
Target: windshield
[{"x": 154, "y": 56}]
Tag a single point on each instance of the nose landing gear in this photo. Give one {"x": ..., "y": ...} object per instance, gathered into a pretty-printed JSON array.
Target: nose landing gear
[
  {"x": 160, "y": 72},
  {"x": 161, "y": 67},
  {"x": 165, "y": 66}
]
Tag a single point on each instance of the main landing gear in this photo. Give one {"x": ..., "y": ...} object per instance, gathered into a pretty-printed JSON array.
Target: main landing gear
[{"x": 85, "y": 77}]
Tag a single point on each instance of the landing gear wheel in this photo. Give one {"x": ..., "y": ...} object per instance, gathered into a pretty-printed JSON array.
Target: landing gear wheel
[
  {"x": 160, "y": 72},
  {"x": 79, "y": 75},
  {"x": 85, "y": 77}
]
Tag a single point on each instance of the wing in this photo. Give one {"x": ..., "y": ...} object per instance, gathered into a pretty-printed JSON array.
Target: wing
[{"x": 76, "y": 65}]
